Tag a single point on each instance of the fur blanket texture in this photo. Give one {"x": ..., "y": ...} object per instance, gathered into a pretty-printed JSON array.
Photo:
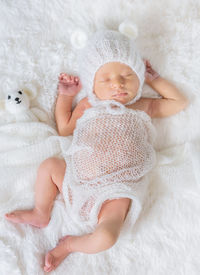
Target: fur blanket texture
[{"x": 34, "y": 48}]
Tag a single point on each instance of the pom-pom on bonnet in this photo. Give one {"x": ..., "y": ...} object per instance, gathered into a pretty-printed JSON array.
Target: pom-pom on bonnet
[{"x": 108, "y": 46}]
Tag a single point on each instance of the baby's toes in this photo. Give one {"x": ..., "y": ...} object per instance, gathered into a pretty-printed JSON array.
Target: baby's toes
[
  {"x": 13, "y": 216},
  {"x": 8, "y": 215},
  {"x": 48, "y": 262}
]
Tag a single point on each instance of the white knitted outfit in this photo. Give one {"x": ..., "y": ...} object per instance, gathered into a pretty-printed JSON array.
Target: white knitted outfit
[
  {"x": 111, "y": 151},
  {"x": 109, "y": 157}
]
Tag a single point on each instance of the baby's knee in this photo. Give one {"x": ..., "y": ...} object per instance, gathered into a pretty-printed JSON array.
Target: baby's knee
[{"x": 51, "y": 163}]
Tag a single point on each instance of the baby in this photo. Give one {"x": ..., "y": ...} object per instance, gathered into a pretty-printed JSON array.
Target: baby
[{"x": 111, "y": 151}]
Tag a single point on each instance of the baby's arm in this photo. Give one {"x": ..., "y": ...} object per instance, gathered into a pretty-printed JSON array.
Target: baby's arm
[
  {"x": 78, "y": 111},
  {"x": 172, "y": 101},
  {"x": 68, "y": 87}
]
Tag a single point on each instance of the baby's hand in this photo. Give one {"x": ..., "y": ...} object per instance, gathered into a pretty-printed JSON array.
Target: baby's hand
[
  {"x": 150, "y": 73},
  {"x": 68, "y": 84}
]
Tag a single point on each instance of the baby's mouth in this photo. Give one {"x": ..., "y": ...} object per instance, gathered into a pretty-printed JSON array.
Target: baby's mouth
[{"x": 121, "y": 94}]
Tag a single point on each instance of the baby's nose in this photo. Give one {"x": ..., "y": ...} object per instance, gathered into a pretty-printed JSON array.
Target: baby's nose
[{"x": 117, "y": 82}]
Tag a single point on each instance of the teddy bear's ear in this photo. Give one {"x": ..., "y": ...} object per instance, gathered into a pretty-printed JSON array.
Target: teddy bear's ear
[{"x": 30, "y": 90}]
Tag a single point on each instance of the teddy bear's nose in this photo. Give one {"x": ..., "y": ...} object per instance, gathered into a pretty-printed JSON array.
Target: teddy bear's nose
[{"x": 17, "y": 98}]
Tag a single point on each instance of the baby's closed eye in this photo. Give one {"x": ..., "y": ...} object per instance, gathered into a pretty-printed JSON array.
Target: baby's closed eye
[
  {"x": 105, "y": 80},
  {"x": 108, "y": 79},
  {"x": 127, "y": 75}
]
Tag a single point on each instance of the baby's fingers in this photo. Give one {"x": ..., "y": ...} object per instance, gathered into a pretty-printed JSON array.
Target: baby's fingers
[
  {"x": 147, "y": 63},
  {"x": 65, "y": 78},
  {"x": 61, "y": 76},
  {"x": 77, "y": 80}
]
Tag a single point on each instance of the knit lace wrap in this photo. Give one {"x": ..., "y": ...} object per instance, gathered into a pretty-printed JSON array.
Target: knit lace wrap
[{"x": 111, "y": 151}]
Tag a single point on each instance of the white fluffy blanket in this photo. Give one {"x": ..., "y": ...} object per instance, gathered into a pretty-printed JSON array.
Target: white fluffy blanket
[{"x": 35, "y": 48}]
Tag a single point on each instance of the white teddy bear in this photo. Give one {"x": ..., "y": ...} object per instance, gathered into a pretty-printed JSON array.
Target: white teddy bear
[{"x": 16, "y": 108}]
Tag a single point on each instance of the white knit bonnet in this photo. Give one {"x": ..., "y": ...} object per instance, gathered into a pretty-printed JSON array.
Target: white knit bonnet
[{"x": 109, "y": 46}]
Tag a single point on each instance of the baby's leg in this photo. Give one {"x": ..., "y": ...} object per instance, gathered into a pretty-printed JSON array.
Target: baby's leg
[
  {"x": 111, "y": 219},
  {"x": 49, "y": 180}
]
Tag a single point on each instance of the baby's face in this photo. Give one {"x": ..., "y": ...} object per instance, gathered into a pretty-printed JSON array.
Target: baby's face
[{"x": 116, "y": 81}]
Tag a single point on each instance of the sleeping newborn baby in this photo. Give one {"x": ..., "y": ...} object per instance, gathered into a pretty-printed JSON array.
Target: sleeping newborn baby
[{"x": 104, "y": 175}]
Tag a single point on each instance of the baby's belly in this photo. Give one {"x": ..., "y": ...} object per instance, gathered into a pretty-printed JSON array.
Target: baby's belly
[{"x": 91, "y": 165}]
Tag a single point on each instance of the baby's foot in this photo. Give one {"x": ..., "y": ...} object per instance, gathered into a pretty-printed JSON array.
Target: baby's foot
[
  {"x": 68, "y": 84},
  {"x": 33, "y": 217},
  {"x": 58, "y": 254}
]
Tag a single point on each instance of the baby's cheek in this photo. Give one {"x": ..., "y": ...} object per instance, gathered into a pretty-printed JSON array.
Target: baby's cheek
[{"x": 101, "y": 91}]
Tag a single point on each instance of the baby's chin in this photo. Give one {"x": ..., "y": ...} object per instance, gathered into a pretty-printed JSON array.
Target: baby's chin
[{"x": 123, "y": 100}]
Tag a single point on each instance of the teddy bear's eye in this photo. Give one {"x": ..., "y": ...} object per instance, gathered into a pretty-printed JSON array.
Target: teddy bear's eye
[
  {"x": 20, "y": 92},
  {"x": 9, "y": 97}
]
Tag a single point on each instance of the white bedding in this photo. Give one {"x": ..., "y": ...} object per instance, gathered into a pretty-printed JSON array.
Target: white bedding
[{"x": 35, "y": 48}]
